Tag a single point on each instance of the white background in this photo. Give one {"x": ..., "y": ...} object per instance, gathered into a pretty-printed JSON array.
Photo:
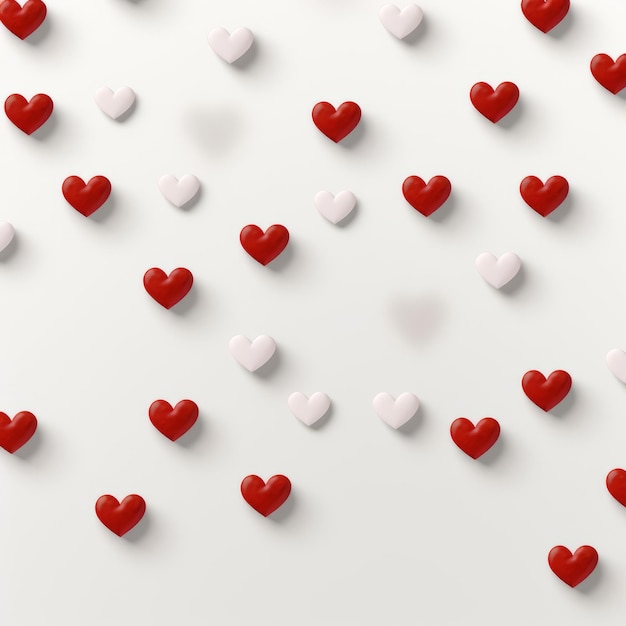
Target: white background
[{"x": 382, "y": 527}]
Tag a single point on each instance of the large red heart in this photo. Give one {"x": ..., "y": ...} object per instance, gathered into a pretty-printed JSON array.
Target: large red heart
[
  {"x": 264, "y": 247},
  {"x": 616, "y": 484},
  {"x": 546, "y": 393},
  {"x": 426, "y": 198},
  {"x": 16, "y": 432},
  {"x": 86, "y": 198},
  {"x": 545, "y": 14},
  {"x": 120, "y": 517},
  {"x": 168, "y": 290},
  {"x": 265, "y": 498},
  {"x": 339, "y": 123},
  {"x": 28, "y": 116},
  {"x": 610, "y": 74},
  {"x": 22, "y": 21},
  {"x": 173, "y": 422},
  {"x": 494, "y": 105},
  {"x": 475, "y": 440},
  {"x": 544, "y": 198},
  {"x": 572, "y": 569}
]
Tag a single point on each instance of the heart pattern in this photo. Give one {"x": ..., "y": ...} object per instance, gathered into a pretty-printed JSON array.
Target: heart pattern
[
  {"x": 616, "y": 361},
  {"x": 337, "y": 123},
  {"x": 610, "y": 74},
  {"x": 335, "y": 208},
  {"x": 498, "y": 271},
  {"x": 309, "y": 410},
  {"x": 173, "y": 422},
  {"x": 572, "y": 569},
  {"x": 115, "y": 103},
  {"x": 426, "y": 197},
  {"x": 616, "y": 484},
  {"x": 475, "y": 440},
  {"x": 28, "y": 116},
  {"x": 545, "y": 14},
  {"x": 396, "y": 412},
  {"x": 86, "y": 198},
  {"x": 22, "y": 21},
  {"x": 264, "y": 247},
  {"x": 168, "y": 290},
  {"x": 494, "y": 104},
  {"x": 16, "y": 432},
  {"x": 546, "y": 393},
  {"x": 263, "y": 497},
  {"x": 231, "y": 46},
  {"x": 252, "y": 354},
  {"x": 400, "y": 23},
  {"x": 179, "y": 192},
  {"x": 544, "y": 198},
  {"x": 120, "y": 517},
  {"x": 7, "y": 233}
]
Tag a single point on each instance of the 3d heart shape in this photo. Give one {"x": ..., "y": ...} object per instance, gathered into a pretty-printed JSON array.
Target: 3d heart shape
[
  {"x": 400, "y": 23},
  {"x": 252, "y": 354},
  {"x": 264, "y": 247},
  {"x": 396, "y": 412},
  {"x": 616, "y": 362},
  {"x": 494, "y": 104},
  {"x": 14, "y": 433},
  {"x": 168, "y": 290},
  {"x": 334, "y": 208},
  {"x": 545, "y": 14},
  {"x": 610, "y": 74},
  {"x": 309, "y": 410},
  {"x": 173, "y": 422},
  {"x": 28, "y": 116},
  {"x": 120, "y": 517},
  {"x": 616, "y": 484},
  {"x": 544, "y": 198},
  {"x": 86, "y": 198},
  {"x": 115, "y": 103},
  {"x": 7, "y": 233},
  {"x": 498, "y": 271},
  {"x": 179, "y": 191},
  {"x": 230, "y": 46},
  {"x": 338, "y": 123},
  {"x": 426, "y": 197},
  {"x": 572, "y": 569},
  {"x": 546, "y": 393},
  {"x": 263, "y": 497},
  {"x": 22, "y": 21},
  {"x": 475, "y": 440}
]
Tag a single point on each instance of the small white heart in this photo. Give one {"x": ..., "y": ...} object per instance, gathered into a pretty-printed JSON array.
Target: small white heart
[
  {"x": 179, "y": 192},
  {"x": 334, "y": 208},
  {"x": 230, "y": 47},
  {"x": 252, "y": 354},
  {"x": 400, "y": 23},
  {"x": 7, "y": 232},
  {"x": 616, "y": 361},
  {"x": 498, "y": 272},
  {"x": 309, "y": 410},
  {"x": 396, "y": 412},
  {"x": 114, "y": 104}
]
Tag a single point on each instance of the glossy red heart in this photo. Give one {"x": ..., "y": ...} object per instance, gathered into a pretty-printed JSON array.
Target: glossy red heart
[
  {"x": 16, "y": 432},
  {"x": 86, "y": 198},
  {"x": 118, "y": 517},
  {"x": 475, "y": 440},
  {"x": 28, "y": 116},
  {"x": 336, "y": 123},
  {"x": 168, "y": 290},
  {"x": 544, "y": 198},
  {"x": 546, "y": 393},
  {"x": 265, "y": 498},
  {"x": 173, "y": 422},
  {"x": 610, "y": 74},
  {"x": 545, "y": 14},
  {"x": 494, "y": 105},
  {"x": 264, "y": 247},
  {"x": 426, "y": 198},
  {"x": 572, "y": 569},
  {"x": 616, "y": 484},
  {"x": 22, "y": 21}
]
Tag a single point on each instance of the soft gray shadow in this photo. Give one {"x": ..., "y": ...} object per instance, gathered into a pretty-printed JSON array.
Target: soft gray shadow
[
  {"x": 267, "y": 370},
  {"x": 443, "y": 212},
  {"x": 31, "y": 447},
  {"x": 131, "y": 109},
  {"x": 412, "y": 39},
  {"x": 322, "y": 420},
  {"x": 620, "y": 94},
  {"x": 516, "y": 283},
  {"x": 283, "y": 259},
  {"x": 562, "y": 212},
  {"x": 512, "y": 118},
  {"x": 418, "y": 318},
  {"x": 136, "y": 534},
  {"x": 494, "y": 453},
  {"x": 187, "y": 303},
  {"x": 189, "y": 439},
  {"x": 42, "y": 33},
  {"x": 104, "y": 212},
  {"x": 215, "y": 130},
  {"x": 590, "y": 583},
  {"x": 44, "y": 132},
  {"x": 355, "y": 137},
  {"x": 246, "y": 60},
  {"x": 11, "y": 250},
  {"x": 564, "y": 27},
  {"x": 565, "y": 405},
  {"x": 348, "y": 218},
  {"x": 412, "y": 426},
  {"x": 285, "y": 511},
  {"x": 190, "y": 204}
]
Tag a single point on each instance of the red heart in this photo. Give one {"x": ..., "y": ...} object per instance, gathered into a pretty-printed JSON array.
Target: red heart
[
  {"x": 475, "y": 440},
  {"x": 15, "y": 433},
  {"x": 544, "y": 198},
  {"x": 22, "y": 21},
  {"x": 494, "y": 105},
  {"x": 546, "y": 393},
  {"x": 28, "y": 116},
  {"x": 426, "y": 198},
  {"x": 610, "y": 74},
  {"x": 265, "y": 498},
  {"x": 118, "y": 517},
  {"x": 336, "y": 124},
  {"x": 168, "y": 290},
  {"x": 86, "y": 198},
  {"x": 616, "y": 484},
  {"x": 264, "y": 247},
  {"x": 173, "y": 422},
  {"x": 545, "y": 14},
  {"x": 572, "y": 569}
]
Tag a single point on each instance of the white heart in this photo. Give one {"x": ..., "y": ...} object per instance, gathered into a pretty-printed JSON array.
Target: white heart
[
  {"x": 400, "y": 23},
  {"x": 230, "y": 46},
  {"x": 114, "y": 104},
  {"x": 252, "y": 354},
  {"x": 7, "y": 232},
  {"x": 179, "y": 192},
  {"x": 616, "y": 360},
  {"x": 309, "y": 410},
  {"x": 498, "y": 272},
  {"x": 335, "y": 208},
  {"x": 396, "y": 412}
]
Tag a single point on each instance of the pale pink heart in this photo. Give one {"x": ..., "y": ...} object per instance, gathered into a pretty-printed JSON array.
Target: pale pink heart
[
  {"x": 7, "y": 232},
  {"x": 498, "y": 271},
  {"x": 230, "y": 47},
  {"x": 114, "y": 104},
  {"x": 334, "y": 208},
  {"x": 616, "y": 361},
  {"x": 396, "y": 412},
  {"x": 252, "y": 354},
  {"x": 400, "y": 23},
  {"x": 179, "y": 192},
  {"x": 309, "y": 410}
]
